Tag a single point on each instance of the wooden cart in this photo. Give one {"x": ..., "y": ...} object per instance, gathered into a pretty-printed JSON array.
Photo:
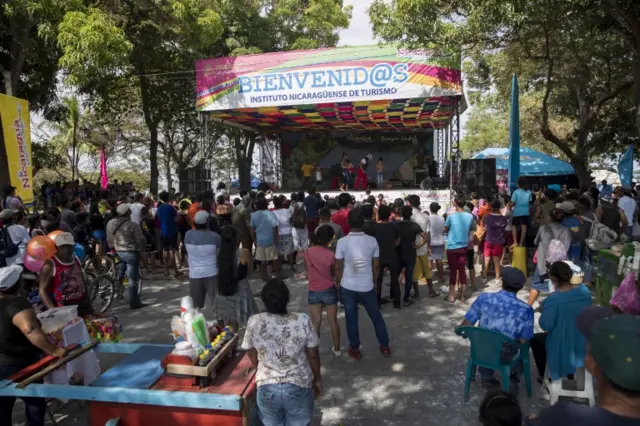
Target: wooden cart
[{"x": 137, "y": 391}]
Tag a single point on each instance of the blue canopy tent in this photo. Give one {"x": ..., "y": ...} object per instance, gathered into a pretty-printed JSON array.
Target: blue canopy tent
[
  {"x": 255, "y": 182},
  {"x": 538, "y": 168},
  {"x": 532, "y": 163}
]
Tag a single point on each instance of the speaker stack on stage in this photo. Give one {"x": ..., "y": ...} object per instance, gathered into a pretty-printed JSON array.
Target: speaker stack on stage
[
  {"x": 479, "y": 176},
  {"x": 195, "y": 179}
]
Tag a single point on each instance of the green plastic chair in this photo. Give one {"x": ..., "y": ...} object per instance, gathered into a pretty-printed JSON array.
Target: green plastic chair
[{"x": 485, "y": 352}]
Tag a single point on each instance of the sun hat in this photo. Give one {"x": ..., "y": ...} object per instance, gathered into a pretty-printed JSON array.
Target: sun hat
[
  {"x": 201, "y": 217},
  {"x": 566, "y": 207},
  {"x": 9, "y": 276},
  {"x": 7, "y": 213},
  {"x": 63, "y": 239}
]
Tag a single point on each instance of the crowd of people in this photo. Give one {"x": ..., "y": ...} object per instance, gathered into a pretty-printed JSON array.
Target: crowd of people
[{"x": 348, "y": 247}]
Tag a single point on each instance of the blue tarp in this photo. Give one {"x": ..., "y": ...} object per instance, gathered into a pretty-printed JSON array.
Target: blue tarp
[
  {"x": 255, "y": 182},
  {"x": 532, "y": 163}
]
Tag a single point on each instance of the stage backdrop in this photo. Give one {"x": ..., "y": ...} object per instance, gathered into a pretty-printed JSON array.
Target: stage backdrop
[
  {"x": 325, "y": 149},
  {"x": 17, "y": 145}
]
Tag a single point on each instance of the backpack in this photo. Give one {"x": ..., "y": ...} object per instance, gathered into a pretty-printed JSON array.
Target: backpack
[
  {"x": 556, "y": 251},
  {"x": 7, "y": 247},
  {"x": 600, "y": 237},
  {"x": 299, "y": 218}
]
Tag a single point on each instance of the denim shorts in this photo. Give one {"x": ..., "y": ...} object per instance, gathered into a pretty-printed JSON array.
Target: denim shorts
[{"x": 324, "y": 297}]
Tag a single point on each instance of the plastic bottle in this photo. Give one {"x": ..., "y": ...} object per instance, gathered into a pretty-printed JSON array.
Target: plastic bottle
[{"x": 189, "y": 318}]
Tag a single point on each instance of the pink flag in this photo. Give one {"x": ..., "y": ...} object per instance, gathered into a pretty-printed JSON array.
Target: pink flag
[{"x": 104, "y": 177}]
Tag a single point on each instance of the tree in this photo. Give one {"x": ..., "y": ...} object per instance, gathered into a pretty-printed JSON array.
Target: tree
[
  {"x": 565, "y": 54},
  {"x": 626, "y": 14},
  {"x": 29, "y": 53},
  {"x": 137, "y": 48},
  {"x": 260, "y": 26}
]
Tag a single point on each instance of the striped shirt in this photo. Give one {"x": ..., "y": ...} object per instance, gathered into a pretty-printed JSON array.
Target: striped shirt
[{"x": 202, "y": 247}]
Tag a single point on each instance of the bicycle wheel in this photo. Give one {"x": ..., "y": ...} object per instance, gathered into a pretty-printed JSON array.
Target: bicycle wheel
[{"x": 104, "y": 292}]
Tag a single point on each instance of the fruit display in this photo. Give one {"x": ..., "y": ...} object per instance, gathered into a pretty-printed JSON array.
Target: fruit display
[{"x": 212, "y": 349}]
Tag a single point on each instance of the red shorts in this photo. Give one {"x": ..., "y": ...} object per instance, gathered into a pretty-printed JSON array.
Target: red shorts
[{"x": 493, "y": 250}]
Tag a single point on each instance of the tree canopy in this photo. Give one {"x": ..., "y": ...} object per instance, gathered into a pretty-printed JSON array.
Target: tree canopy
[{"x": 575, "y": 62}]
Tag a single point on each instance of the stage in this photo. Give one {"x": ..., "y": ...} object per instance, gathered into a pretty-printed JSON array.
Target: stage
[{"x": 331, "y": 110}]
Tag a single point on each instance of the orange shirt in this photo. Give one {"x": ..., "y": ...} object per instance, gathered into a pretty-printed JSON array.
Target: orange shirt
[{"x": 193, "y": 209}]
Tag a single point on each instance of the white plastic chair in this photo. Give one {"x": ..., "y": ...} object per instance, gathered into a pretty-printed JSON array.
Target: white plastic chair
[{"x": 581, "y": 387}]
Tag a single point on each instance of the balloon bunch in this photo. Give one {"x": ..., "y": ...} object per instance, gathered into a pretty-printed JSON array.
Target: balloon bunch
[{"x": 40, "y": 249}]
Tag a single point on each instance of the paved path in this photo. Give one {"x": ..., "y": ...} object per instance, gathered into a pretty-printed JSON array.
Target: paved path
[{"x": 422, "y": 382}]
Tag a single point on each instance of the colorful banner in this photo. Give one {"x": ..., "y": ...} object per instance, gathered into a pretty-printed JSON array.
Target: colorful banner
[
  {"x": 344, "y": 74},
  {"x": 104, "y": 176},
  {"x": 17, "y": 142}
]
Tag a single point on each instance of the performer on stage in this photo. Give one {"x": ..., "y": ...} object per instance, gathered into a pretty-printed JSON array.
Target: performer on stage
[
  {"x": 344, "y": 164},
  {"x": 380, "y": 173},
  {"x": 362, "y": 180},
  {"x": 432, "y": 166}
]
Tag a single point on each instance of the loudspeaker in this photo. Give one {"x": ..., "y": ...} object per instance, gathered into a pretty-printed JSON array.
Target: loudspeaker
[{"x": 479, "y": 176}]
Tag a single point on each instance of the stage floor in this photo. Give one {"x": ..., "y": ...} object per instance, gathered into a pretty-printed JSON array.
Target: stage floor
[{"x": 442, "y": 197}]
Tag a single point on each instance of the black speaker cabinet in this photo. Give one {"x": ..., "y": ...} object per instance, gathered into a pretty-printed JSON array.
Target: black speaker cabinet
[{"x": 479, "y": 176}]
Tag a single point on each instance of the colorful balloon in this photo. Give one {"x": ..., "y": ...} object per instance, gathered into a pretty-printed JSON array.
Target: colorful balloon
[
  {"x": 41, "y": 248},
  {"x": 32, "y": 264},
  {"x": 79, "y": 252}
]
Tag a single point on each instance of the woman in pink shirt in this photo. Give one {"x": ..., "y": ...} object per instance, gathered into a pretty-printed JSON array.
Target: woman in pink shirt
[{"x": 320, "y": 263}]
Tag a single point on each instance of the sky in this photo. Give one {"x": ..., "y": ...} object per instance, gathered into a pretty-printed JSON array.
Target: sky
[{"x": 359, "y": 32}]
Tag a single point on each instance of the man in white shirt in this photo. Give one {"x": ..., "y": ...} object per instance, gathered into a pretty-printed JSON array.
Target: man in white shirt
[
  {"x": 136, "y": 208},
  {"x": 14, "y": 221},
  {"x": 629, "y": 207},
  {"x": 357, "y": 265},
  {"x": 422, "y": 268}
]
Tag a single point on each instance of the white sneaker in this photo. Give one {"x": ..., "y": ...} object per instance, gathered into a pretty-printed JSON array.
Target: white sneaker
[{"x": 336, "y": 352}]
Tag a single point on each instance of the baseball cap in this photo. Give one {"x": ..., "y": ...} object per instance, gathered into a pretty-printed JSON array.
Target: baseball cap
[
  {"x": 63, "y": 239},
  {"x": 123, "y": 208},
  {"x": 512, "y": 278},
  {"x": 614, "y": 343},
  {"x": 201, "y": 217},
  {"x": 9, "y": 276},
  {"x": 7, "y": 213},
  {"x": 566, "y": 207}
]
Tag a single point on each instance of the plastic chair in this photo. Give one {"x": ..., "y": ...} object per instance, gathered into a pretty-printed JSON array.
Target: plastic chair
[
  {"x": 582, "y": 387},
  {"x": 486, "y": 346}
]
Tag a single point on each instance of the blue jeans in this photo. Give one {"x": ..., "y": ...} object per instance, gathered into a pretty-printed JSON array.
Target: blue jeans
[
  {"x": 285, "y": 404},
  {"x": 408, "y": 266},
  {"x": 34, "y": 408},
  {"x": 369, "y": 300},
  {"x": 380, "y": 179},
  {"x": 130, "y": 263}
]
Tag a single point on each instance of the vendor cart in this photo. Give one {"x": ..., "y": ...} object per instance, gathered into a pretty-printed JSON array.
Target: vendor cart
[
  {"x": 140, "y": 391},
  {"x": 607, "y": 278}
]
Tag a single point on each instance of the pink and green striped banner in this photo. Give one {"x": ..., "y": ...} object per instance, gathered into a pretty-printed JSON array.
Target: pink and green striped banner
[{"x": 344, "y": 74}]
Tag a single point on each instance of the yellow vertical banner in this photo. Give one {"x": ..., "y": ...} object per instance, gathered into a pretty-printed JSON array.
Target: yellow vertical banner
[{"x": 16, "y": 130}]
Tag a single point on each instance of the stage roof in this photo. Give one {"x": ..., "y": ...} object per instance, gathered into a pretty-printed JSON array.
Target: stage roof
[
  {"x": 532, "y": 163},
  {"x": 347, "y": 88}
]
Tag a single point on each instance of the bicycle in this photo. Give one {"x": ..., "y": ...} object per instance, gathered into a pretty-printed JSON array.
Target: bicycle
[{"x": 102, "y": 265}]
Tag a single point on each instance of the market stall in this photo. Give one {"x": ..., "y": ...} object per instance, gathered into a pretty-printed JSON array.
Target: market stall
[{"x": 201, "y": 380}]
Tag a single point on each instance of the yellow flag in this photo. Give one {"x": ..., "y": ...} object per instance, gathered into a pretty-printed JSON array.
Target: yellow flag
[{"x": 16, "y": 130}]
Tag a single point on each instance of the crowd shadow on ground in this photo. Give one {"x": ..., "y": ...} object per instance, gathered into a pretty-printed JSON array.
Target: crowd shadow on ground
[{"x": 421, "y": 383}]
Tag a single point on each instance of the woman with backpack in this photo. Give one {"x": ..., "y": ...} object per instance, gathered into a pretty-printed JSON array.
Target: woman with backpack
[
  {"x": 553, "y": 241},
  {"x": 299, "y": 230}
]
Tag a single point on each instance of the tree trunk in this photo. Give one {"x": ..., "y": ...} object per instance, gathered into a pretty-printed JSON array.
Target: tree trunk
[
  {"x": 581, "y": 166},
  {"x": 167, "y": 172},
  {"x": 244, "y": 144},
  {"x": 636, "y": 88},
  {"x": 73, "y": 153},
  {"x": 153, "y": 158}
]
